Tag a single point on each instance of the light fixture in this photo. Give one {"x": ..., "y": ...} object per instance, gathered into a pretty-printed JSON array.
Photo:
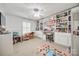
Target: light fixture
[{"x": 36, "y": 12}]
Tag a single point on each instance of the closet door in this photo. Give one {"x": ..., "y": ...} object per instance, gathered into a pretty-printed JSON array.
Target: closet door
[{"x": 75, "y": 31}]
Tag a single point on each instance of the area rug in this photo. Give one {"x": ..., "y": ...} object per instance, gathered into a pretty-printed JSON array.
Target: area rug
[{"x": 47, "y": 49}]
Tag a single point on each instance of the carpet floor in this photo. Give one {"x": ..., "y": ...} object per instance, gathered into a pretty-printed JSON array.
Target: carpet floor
[{"x": 29, "y": 47}]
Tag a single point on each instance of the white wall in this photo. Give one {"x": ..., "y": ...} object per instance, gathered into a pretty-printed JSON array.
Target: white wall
[
  {"x": 75, "y": 38},
  {"x": 75, "y": 21},
  {"x": 75, "y": 45},
  {"x": 76, "y": 24},
  {"x": 1, "y": 7},
  {"x": 14, "y": 23}
]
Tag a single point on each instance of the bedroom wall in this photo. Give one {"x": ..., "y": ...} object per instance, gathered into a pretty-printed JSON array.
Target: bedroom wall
[
  {"x": 14, "y": 23},
  {"x": 75, "y": 38},
  {"x": 75, "y": 21}
]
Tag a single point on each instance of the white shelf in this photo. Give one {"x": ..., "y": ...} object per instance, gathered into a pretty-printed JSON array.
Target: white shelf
[
  {"x": 61, "y": 27},
  {"x": 65, "y": 22}
]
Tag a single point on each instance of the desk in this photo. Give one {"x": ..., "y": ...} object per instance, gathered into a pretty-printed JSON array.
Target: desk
[
  {"x": 16, "y": 39},
  {"x": 49, "y": 36}
]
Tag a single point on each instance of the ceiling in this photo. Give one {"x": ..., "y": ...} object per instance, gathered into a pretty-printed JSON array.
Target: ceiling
[{"x": 25, "y": 10}]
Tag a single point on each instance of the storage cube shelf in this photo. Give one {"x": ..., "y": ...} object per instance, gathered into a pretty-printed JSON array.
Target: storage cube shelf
[
  {"x": 63, "y": 22},
  {"x": 59, "y": 23}
]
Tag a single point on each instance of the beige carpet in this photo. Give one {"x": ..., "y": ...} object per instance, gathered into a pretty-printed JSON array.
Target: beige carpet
[{"x": 29, "y": 48}]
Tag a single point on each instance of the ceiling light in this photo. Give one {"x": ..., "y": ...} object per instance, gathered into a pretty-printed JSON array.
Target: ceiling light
[
  {"x": 36, "y": 12},
  {"x": 36, "y": 9}
]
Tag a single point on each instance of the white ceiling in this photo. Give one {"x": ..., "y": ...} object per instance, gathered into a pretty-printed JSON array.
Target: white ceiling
[{"x": 26, "y": 9}]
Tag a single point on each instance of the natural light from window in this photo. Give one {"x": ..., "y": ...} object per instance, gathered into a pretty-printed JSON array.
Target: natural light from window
[{"x": 26, "y": 27}]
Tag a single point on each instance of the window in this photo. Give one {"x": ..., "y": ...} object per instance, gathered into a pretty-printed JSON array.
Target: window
[{"x": 26, "y": 27}]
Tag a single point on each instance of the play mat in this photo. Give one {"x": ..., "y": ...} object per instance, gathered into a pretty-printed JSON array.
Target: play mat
[{"x": 47, "y": 49}]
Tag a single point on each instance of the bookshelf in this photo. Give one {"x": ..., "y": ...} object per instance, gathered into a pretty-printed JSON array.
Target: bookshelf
[
  {"x": 63, "y": 22},
  {"x": 60, "y": 22}
]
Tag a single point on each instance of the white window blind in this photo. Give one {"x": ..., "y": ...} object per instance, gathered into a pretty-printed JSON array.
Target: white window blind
[{"x": 26, "y": 27}]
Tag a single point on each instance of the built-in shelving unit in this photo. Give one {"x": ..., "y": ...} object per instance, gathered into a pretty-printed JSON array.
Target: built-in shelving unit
[
  {"x": 59, "y": 25},
  {"x": 63, "y": 22},
  {"x": 60, "y": 22}
]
